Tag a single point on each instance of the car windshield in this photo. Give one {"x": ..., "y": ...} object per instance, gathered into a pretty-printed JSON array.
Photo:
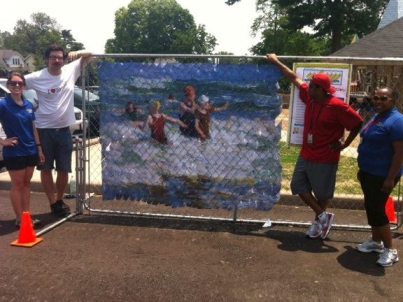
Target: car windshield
[{"x": 78, "y": 92}]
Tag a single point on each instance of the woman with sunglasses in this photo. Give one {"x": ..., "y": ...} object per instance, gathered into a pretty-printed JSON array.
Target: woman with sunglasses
[
  {"x": 380, "y": 157},
  {"x": 21, "y": 148}
]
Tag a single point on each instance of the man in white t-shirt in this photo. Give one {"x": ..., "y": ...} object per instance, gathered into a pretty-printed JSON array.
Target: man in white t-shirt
[{"x": 54, "y": 86}]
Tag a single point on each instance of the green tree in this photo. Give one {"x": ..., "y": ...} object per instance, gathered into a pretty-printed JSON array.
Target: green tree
[
  {"x": 158, "y": 26},
  {"x": 35, "y": 36},
  {"x": 69, "y": 42},
  {"x": 4, "y": 35},
  {"x": 337, "y": 20},
  {"x": 278, "y": 38}
]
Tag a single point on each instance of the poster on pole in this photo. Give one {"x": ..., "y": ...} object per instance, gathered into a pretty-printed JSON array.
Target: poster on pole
[{"x": 340, "y": 75}]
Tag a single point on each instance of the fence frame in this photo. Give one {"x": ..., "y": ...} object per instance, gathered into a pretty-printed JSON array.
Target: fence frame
[{"x": 83, "y": 159}]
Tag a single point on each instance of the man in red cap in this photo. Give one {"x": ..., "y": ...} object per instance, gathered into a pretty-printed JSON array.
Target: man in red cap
[{"x": 325, "y": 120}]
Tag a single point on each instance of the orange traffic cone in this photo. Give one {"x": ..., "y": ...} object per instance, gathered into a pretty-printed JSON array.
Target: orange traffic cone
[
  {"x": 27, "y": 236},
  {"x": 390, "y": 210}
]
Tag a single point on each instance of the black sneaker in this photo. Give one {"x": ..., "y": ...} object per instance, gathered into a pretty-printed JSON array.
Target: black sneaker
[
  {"x": 60, "y": 209},
  {"x": 64, "y": 205},
  {"x": 36, "y": 222}
]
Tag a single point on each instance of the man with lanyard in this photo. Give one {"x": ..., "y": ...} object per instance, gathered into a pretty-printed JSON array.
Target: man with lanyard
[
  {"x": 54, "y": 86},
  {"x": 325, "y": 120}
]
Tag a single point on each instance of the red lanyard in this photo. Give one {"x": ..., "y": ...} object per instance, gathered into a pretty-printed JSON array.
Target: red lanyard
[
  {"x": 371, "y": 123},
  {"x": 314, "y": 122}
]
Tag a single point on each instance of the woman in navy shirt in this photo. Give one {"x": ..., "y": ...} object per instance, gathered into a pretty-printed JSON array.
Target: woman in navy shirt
[
  {"x": 380, "y": 157},
  {"x": 21, "y": 147}
]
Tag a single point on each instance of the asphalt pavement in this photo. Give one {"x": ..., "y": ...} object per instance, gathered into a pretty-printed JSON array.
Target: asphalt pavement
[{"x": 118, "y": 258}]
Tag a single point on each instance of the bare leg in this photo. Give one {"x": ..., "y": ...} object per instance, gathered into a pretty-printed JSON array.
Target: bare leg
[
  {"x": 26, "y": 191},
  {"x": 313, "y": 203},
  {"x": 17, "y": 185},
  {"x": 61, "y": 184},
  {"x": 48, "y": 185},
  {"x": 383, "y": 234}
]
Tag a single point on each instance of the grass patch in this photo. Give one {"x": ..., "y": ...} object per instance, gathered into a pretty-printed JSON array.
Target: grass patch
[{"x": 346, "y": 181}]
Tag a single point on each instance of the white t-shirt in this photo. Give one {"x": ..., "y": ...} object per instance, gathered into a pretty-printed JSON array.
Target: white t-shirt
[{"x": 55, "y": 94}]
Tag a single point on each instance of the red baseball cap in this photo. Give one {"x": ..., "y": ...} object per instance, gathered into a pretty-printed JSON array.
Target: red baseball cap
[{"x": 324, "y": 81}]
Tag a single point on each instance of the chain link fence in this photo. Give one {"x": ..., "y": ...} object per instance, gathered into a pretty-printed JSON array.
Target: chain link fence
[{"x": 241, "y": 172}]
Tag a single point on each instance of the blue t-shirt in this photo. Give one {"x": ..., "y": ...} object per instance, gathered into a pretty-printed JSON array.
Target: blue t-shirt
[
  {"x": 375, "y": 153},
  {"x": 17, "y": 122}
]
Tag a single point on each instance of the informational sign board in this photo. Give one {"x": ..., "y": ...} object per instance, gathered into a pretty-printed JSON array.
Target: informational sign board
[{"x": 340, "y": 75}]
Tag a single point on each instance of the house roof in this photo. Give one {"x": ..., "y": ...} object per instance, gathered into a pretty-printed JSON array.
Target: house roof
[
  {"x": 8, "y": 53},
  {"x": 384, "y": 42},
  {"x": 393, "y": 11}
]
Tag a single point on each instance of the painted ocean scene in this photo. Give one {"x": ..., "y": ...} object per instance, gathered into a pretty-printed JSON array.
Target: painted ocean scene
[{"x": 237, "y": 165}]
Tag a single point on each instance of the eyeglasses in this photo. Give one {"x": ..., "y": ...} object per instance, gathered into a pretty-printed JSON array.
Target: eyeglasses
[
  {"x": 16, "y": 83},
  {"x": 381, "y": 98},
  {"x": 54, "y": 58}
]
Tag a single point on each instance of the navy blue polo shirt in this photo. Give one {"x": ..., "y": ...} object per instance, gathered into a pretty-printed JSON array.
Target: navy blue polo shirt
[
  {"x": 376, "y": 151},
  {"x": 17, "y": 122}
]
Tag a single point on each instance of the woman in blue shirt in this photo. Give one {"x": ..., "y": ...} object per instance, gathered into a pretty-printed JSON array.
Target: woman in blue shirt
[
  {"x": 380, "y": 157},
  {"x": 21, "y": 147}
]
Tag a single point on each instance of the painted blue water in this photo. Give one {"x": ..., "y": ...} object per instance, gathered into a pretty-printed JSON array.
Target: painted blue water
[{"x": 239, "y": 166}]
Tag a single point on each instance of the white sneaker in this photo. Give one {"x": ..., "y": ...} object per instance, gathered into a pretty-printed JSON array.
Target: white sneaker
[
  {"x": 370, "y": 246},
  {"x": 315, "y": 230},
  {"x": 388, "y": 257},
  {"x": 326, "y": 220}
]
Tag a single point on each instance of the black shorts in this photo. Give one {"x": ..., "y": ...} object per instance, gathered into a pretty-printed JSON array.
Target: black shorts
[
  {"x": 20, "y": 162},
  {"x": 374, "y": 199}
]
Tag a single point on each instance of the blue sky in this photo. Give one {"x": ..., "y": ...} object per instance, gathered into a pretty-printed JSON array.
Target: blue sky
[{"x": 92, "y": 21}]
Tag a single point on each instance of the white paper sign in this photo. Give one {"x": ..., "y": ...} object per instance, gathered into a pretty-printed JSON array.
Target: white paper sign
[{"x": 340, "y": 75}]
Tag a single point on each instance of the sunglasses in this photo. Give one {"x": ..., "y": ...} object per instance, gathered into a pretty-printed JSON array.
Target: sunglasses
[
  {"x": 16, "y": 83},
  {"x": 381, "y": 98},
  {"x": 54, "y": 58}
]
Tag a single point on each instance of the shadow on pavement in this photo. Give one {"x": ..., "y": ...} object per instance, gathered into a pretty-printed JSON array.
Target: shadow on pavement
[
  {"x": 8, "y": 226},
  {"x": 297, "y": 241},
  {"x": 170, "y": 223},
  {"x": 290, "y": 240},
  {"x": 360, "y": 262}
]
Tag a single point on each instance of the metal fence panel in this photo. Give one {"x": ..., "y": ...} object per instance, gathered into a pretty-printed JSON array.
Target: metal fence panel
[{"x": 199, "y": 190}]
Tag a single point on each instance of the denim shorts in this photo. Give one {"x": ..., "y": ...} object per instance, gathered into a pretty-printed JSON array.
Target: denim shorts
[
  {"x": 14, "y": 163},
  {"x": 57, "y": 147},
  {"x": 314, "y": 177}
]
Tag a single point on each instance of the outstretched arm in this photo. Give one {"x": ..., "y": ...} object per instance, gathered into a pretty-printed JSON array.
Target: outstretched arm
[
  {"x": 222, "y": 108},
  {"x": 175, "y": 121},
  {"x": 291, "y": 75},
  {"x": 85, "y": 56}
]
